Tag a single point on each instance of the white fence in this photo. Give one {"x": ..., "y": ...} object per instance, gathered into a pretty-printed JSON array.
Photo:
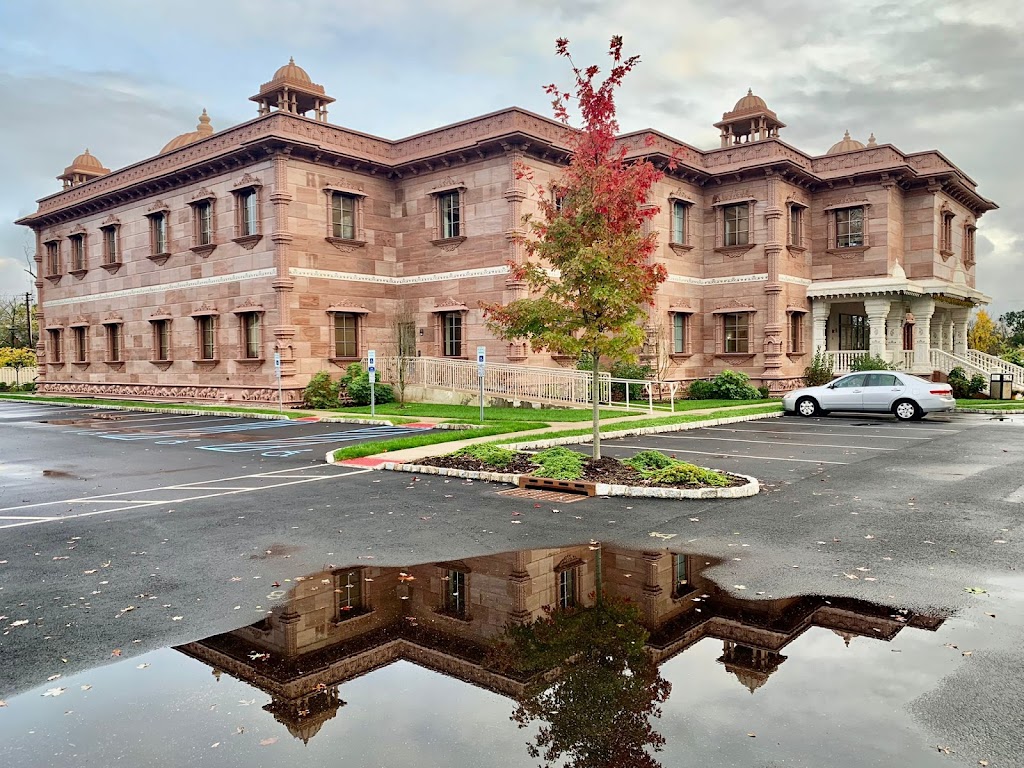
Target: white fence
[{"x": 18, "y": 376}]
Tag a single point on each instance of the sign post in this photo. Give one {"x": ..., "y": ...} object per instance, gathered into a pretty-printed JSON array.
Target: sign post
[
  {"x": 277, "y": 373},
  {"x": 371, "y": 367},
  {"x": 481, "y": 363}
]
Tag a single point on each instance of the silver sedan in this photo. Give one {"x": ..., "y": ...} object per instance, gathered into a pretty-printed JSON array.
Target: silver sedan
[{"x": 904, "y": 396}]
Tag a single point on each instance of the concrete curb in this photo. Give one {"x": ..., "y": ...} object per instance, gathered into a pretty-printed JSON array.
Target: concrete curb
[
  {"x": 578, "y": 439},
  {"x": 195, "y": 412},
  {"x": 750, "y": 488},
  {"x": 991, "y": 411}
]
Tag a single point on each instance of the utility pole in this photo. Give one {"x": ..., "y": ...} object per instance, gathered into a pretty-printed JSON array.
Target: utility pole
[{"x": 28, "y": 317}]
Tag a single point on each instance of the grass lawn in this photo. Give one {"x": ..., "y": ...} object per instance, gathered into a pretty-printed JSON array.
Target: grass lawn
[
  {"x": 444, "y": 436},
  {"x": 992, "y": 405},
  {"x": 471, "y": 413}
]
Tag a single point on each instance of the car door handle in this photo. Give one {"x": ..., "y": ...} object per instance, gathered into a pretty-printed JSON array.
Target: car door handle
[{"x": 895, "y": 389}]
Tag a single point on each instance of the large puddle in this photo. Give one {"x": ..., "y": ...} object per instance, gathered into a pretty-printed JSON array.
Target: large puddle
[{"x": 591, "y": 655}]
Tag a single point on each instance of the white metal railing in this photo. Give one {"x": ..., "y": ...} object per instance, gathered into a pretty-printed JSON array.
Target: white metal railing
[
  {"x": 994, "y": 364},
  {"x": 945, "y": 361},
  {"x": 842, "y": 359},
  {"x": 18, "y": 376}
]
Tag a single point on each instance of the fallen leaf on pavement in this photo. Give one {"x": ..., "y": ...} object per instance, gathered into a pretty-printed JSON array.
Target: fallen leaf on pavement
[
  {"x": 55, "y": 692},
  {"x": 142, "y": 666},
  {"x": 976, "y": 590},
  {"x": 268, "y": 742},
  {"x": 116, "y": 652}
]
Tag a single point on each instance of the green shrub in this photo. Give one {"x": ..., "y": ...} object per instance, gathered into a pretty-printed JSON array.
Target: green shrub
[
  {"x": 630, "y": 371},
  {"x": 1015, "y": 356},
  {"x": 764, "y": 392},
  {"x": 321, "y": 392},
  {"x": 681, "y": 472},
  {"x": 870, "y": 363},
  {"x": 700, "y": 390},
  {"x": 490, "y": 454},
  {"x": 733, "y": 385},
  {"x": 962, "y": 386},
  {"x": 356, "y": 383},
  {"x": 4, "y": 386},
  {"x": 820, "y": 371},
  {"x": 648, "y": 461},
  {"x": 559, "y": 464},
  {"x": 28, "y": 386}
]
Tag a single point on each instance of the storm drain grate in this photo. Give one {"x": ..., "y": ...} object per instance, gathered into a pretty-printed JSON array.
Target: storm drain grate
[{"x": 536, "y": 495}]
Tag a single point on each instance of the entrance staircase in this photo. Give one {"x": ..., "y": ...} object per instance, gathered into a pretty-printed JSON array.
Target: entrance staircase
[{"x": 973, "y": 362}]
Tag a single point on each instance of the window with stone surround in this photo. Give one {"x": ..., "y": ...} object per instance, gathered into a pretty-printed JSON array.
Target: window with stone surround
[
  {"x": 736, "y": 224},
  {"x": 796, "y": 332},
  {"x": 451, "y": 331},
  {"x": 202, "y": 222},
  {"x": 797, "y": 212},
  {"x": 680, "y": 212},
  {"x": 53, "y": 265},
  {"x": 449, "y": 214},
  {"x": 55, "y": 345},
  {"x": 346, "y": 335},
  {"x": 680, "y": 333},
  {"x": 77, "y": 245},
  {"x": 969, "y": 237},
  {"x": 850, "y": 227},
  {"x": 735, "y": 333},
  {"x": 343, "y": 215},
  {"x": 250, "y": 329},
  {"x": 80, "y": 342},
  {"x": 946, "y": 233},
  {"x": 161, "y": 340},
  {"x": 349, "y": 589},
  {"x": 455, "y": 593},
  {"x": 854, "y": 332},
  {"x": 206, "y": 337},
  {"x": 115, "y": 347},
  {"x": 111, "y": 246},
  {"x": 158, "y": 240},
  {"x": 681, "y": 576},
  {"x": 568, "y": 587},
  {"x": 247, "y": 214}
]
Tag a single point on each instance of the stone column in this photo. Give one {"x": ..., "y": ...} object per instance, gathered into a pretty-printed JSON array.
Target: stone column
[
  {"x": 519, "y": 588},
  {"x": 283, "y": 284},
  {"x": 959, "y": 319},
  {"x": 923, "y": 310},
  {"x": 948, "y": 331},
  {"x": 877, "y": 309},
  {"x": 820, "y": 310},
  {"x": 894, "y": 331},
  {"x": 652, "y": 589},
  {"x": 774, "y": 324}
]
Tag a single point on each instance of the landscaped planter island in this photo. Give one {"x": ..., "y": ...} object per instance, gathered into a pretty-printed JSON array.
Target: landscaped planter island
[{"x": 648, "y": 473}]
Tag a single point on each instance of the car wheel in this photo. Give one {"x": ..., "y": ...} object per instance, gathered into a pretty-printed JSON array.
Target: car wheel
[
  {"x": 907, "y": 410},
  {"x": 807, "y": 406}
]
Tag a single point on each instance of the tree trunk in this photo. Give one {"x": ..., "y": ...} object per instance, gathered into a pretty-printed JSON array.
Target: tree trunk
[{"x": 595, "y": 398}]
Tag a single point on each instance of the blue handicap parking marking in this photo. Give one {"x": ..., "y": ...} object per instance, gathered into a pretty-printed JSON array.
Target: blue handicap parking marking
[{"x": 292, "y": 445}]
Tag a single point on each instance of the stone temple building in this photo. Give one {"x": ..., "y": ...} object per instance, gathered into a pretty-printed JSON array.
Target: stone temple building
[{"x": 182, "y": 275}]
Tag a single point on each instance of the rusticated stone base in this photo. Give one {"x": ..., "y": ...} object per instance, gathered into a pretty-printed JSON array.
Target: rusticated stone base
[{"x": 167, "y": 392}]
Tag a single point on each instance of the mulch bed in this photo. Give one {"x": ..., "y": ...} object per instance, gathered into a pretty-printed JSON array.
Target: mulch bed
[{"x": 604, "y": 470}]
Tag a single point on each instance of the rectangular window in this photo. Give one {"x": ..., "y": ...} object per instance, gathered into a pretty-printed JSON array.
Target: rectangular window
[
  {"x": 53, "y": 258},
  {"x": 203, "y": 212},
  {"x": 205, "y": 329},
  {"x": 77, "y": 251},
  {"x": 346, "y": 340},
  {"x": 81, "y": 343},
  {"x": 248, "y": 223},
  {"x": 162, "y": 339},
  {"x": 55, "y": 348},
  {"x": 681, "y": 572},
  {"x": 679, "y": 222},
  {"x": 252, "y": 345},
  {"x": 968, "y": 256},
  {"x": 796, "y": 332},
  {"x": 796, "y": 225},
  {"x": 679, "y": 321},
  {"x": 350, "y": 593},
  {"x": 158, "y": 233},
  {"x": 110, "y": 250},
  {"x": 946, "y": 236},
  {"x": 454, "y": 585},
  {"x": 114, "y": 343},
  {"x": 450, "y": 210},
  {"x": 736, "y": 336},
  {"x": 853, "y": 332},
  {"x": 850, "y": 227},
  {"x": 343, "y": 216},
  {"x": 737, "y": 224},
  {"x": 452, "y": 328},
  {"x": 568, "y": 581}
]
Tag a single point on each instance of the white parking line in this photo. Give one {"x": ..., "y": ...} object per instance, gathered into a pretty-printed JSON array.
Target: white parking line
[
  {"x": 719, "y": 454},
  {"x": 777, "y": 442},
  {"x": 813, "y": 434}
]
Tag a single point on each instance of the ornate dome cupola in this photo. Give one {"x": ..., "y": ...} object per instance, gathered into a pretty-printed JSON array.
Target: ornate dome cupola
[
  {"x": 83, "y": 168},
  {"x": 750, "y": 120},
  {"x": 846, "y": 144},
  {"x": 202, "y": 130},
  {"x": 292, "y": 90}
]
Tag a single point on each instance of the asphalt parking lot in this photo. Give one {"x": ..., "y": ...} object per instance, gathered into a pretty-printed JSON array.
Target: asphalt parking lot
[{"x": 789, "y": 448}]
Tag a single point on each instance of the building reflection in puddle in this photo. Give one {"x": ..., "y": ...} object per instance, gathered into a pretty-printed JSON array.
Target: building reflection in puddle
[{"x": 526, "y": 624}]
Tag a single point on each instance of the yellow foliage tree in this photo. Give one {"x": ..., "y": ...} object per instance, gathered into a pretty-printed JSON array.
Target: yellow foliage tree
[{"x": 984, "y": 335}]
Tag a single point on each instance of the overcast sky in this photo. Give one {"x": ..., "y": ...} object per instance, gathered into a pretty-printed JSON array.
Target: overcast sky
[{"x": 123, "y": 77}]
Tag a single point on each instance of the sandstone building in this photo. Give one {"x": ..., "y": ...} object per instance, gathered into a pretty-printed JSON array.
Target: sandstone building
[{"x": 182, "y": 275}]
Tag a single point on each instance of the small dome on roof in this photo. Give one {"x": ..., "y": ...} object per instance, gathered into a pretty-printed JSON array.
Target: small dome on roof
[
  {"x": 202, "y": 130},
  {"x": 845, "y": 145},
  {"x": 749, "y": 103},
  {"x": 85, "y": 160},
  {"x": 292, "y": 71}
]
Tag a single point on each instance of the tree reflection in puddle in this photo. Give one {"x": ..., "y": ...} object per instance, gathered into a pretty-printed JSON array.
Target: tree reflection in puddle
[{"x": 574, "y": 636}]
